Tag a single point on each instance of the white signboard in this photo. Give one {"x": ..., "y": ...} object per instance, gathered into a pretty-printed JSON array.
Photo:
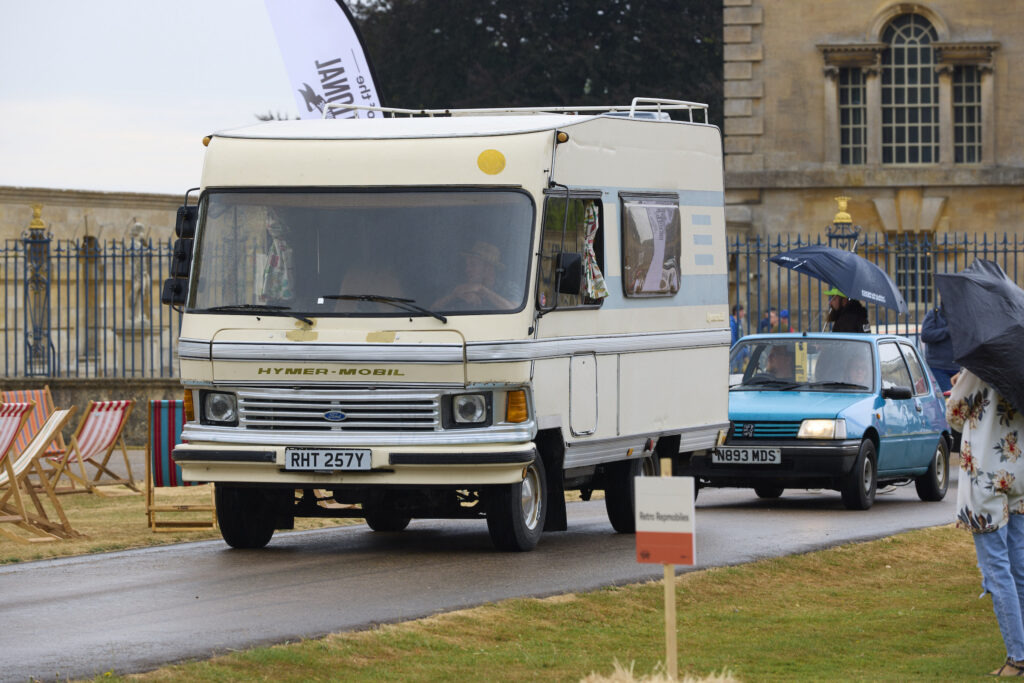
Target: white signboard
[{"x": 665, "y": 528}]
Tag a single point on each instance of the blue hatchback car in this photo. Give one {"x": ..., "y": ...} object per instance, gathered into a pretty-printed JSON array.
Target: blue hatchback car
[{"x": 847, "y": 412}]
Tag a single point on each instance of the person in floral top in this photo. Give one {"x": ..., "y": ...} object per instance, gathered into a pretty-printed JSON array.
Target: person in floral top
[{"x": 990, "y": 501}]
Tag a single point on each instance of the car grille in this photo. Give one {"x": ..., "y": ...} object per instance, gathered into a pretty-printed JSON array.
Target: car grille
[
  {"x": 363, "y": 410},
  {"x": 765, "y": 430}
]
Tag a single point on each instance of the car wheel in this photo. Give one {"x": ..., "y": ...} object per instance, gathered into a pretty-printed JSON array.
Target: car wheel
[
  {"x": 859, "y": 486},
  {"x": 516, "y": 512},
  {"x": 932, "y": 485},
  {"x": 245, "y": 516},
  {"x": 381, "y": 517},
  {"x": 768, "y": 491},
  {"x": 619, "y": 491}
]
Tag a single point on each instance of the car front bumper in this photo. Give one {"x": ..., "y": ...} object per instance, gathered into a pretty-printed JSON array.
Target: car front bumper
[{"x": 804, "y": 463}]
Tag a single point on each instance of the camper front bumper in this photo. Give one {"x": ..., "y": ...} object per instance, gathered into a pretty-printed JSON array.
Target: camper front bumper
[{"x": 323, "y": 467}]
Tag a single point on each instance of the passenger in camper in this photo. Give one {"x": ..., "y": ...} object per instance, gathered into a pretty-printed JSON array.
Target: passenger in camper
[{"x": 482, "y": 263}]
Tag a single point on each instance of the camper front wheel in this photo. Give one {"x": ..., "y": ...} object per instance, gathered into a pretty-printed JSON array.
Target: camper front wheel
[
  {"x": 515, "y": 513},
  {"x": 245, "y": 516}
]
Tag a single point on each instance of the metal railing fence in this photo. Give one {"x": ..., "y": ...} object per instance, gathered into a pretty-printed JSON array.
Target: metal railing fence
[
  {"x": 84, "y": 308},
  {"x": 910, "y": 260}
]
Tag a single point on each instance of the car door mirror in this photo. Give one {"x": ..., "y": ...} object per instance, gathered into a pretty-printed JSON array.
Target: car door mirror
[
  {"x": 185, "y": 223},
  {"x": 570, "y": 265},
  {"x": 897, "y": 393}
]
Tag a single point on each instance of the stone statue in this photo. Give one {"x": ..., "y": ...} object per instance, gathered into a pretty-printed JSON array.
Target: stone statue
[{"x": 141, "y": 280}]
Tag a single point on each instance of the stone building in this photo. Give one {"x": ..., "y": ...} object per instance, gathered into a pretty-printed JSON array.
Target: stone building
[{"x": 910, "y": 109}]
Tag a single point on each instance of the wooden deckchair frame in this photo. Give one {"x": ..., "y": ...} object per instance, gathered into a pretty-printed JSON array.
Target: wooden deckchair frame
[
  {"x": 15, "y": 477},
  {"x": 74, "y": 452},
  {"x": 154, "y": 509}
]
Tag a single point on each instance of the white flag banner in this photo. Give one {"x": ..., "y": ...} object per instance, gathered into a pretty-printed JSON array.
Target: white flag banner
[{"x": 324, "y": 56}]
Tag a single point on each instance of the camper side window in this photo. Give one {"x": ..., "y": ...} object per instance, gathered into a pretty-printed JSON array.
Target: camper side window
[
  {"x": 584, "y": 235},
  {"x": 650, "y": 246}
]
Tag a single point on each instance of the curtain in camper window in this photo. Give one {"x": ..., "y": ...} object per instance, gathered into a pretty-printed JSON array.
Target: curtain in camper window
[
  {"x": 595, "y": 281},
  {"x": 651, "y": 246}
]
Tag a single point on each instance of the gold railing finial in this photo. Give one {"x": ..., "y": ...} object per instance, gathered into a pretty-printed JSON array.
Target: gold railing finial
[
  {"x": 842, "y": 216},
  {"x": 37, "y": 221}
]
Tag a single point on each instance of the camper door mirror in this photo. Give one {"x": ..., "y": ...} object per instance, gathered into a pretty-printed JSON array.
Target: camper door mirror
[
  {"x": 181, "y": 258},
  {"x": 174, "y": 291},
  {"x": 570, "y": 268},
  {"x": 185, "y": 225}
]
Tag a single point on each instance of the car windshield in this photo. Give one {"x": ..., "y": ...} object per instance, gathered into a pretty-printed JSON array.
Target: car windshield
[
  {"x": 802, "y": 364},
  {"x": 365, "y": 253}
]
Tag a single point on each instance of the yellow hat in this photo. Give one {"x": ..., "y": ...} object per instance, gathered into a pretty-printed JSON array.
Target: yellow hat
[{"x": 834, "y": 291}]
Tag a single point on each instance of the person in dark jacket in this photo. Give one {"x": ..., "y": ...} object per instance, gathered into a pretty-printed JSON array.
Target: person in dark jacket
[
  {"x": 845, "y": 314},
  {"x": 938, "y": 349}
]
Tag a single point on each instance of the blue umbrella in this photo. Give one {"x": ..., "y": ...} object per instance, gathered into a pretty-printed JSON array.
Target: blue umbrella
[{"x": 853, "y": 275}]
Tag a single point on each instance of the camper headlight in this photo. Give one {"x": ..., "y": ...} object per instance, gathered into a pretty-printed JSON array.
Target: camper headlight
[
  {"x": 219, "y": 408},
  {"x": 822, "y": 429},
  {"x": 470, "y": 409}
]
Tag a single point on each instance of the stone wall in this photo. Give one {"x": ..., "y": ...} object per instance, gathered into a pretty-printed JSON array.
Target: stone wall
[
  {"x": 73, "y": 214},
  {"x": 78, "y": 393},
  {"x": 781, "y": 131}
]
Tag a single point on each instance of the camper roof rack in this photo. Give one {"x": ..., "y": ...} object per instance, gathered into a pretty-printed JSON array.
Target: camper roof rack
[{"x": 641, "y": 107}]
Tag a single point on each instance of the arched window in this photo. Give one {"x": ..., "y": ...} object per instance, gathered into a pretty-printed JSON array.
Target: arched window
[{"x": 910, "y": 92}]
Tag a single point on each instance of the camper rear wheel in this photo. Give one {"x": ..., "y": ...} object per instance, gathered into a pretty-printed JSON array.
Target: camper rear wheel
[
  {"x": 619, "y": 491},
  {"x": 246, "y": 516},
  {"x": 516, "y": 512}
]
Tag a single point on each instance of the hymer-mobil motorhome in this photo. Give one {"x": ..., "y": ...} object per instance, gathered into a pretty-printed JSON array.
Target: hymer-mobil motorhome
[{"x": 451, "y": 314}]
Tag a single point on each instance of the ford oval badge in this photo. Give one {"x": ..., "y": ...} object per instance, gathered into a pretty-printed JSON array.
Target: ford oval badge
[{"x": 334, "y": 416}]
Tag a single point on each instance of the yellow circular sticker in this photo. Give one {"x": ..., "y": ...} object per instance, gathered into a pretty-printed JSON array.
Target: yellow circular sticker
[{"x": 491, "y": 161}]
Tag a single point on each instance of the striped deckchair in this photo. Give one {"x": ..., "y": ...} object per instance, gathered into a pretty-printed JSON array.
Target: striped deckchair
[
  {"x": 166, "y": 419},
  {"x": 44, "y": 407},
  {"x": 15, "y": 484},
  {"x": 92, "y": 444}
]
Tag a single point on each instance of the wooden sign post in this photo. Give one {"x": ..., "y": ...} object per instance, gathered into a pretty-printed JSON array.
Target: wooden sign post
[{"x": 665, "y": 534}]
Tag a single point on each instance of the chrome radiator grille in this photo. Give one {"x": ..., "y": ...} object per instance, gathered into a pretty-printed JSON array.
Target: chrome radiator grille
[{"x": 364, "y": 411}]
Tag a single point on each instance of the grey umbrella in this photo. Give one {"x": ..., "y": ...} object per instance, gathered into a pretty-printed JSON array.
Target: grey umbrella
[
  {"x": 853, "y": 275},
  {"x": 985, "y": 312}
]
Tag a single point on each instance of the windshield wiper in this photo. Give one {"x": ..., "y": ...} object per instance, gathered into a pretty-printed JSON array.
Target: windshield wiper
[
  {"x": 773, "y": 382},
  {"x": 256, "y": 308},
  {"x": 404, "y": 304},
  {"x": 837, "y": 385}
]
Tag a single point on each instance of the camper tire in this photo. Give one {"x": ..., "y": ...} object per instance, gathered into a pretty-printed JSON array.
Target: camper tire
[
  {"x": 619, "y": 491},
  {"x": 516, "y": 512},
  {"x": 245, "y": 516},
  {"x": 380, "y": 517}
]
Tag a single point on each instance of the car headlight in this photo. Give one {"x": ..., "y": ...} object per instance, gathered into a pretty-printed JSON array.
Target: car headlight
[
  {"x": 469, "y": 408},
  {"x": 219, "y": 408},
  {"x": 822, "y": 429}
]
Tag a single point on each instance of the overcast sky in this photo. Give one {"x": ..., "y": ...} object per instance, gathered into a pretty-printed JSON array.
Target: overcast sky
[{"x": 116, "y": 95}]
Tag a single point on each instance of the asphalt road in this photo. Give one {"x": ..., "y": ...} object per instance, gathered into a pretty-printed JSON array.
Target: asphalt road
[{"x": 136, "y": 610}]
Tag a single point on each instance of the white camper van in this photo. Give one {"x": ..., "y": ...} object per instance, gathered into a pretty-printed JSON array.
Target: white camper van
[{"x": 451, "y": 314}]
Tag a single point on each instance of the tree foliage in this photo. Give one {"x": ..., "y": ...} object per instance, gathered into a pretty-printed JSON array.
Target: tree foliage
[{"x": 489, "y": 53}]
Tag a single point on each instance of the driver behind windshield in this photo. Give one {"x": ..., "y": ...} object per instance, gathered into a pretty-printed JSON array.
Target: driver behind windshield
[
  {"x": 780, "y": 362},
  {"x": 481, "y": 265}
]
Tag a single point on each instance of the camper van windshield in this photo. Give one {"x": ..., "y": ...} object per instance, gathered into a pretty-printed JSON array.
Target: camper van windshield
[{"x": 319, "y": 253}]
